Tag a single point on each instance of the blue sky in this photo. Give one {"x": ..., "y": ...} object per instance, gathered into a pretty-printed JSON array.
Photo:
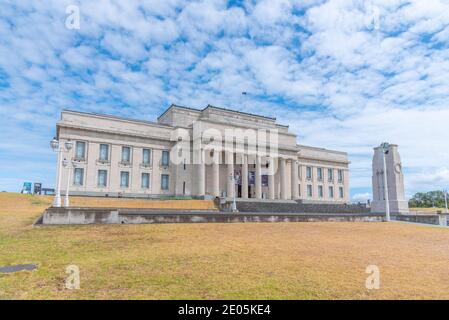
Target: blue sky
[{"x": 345, "y": 75}]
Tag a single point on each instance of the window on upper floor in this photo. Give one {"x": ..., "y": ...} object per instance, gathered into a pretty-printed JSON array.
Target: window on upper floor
[
  {"x": 320, "y": 191},
  {"x": 165, "y": 161},
  {"x": 319, "y": 174},
  {"x": 126, "y": 154},
  {"x": 104, "y": 152},
  {"x": 309, "y": 173},
  {"x": 340, "y": 175},
  {"x": 80, "y": 150},
  {"x": 146, "y": 156},
  {"x": 330, "y": 174},
  {"x": 341, "y": 191}
]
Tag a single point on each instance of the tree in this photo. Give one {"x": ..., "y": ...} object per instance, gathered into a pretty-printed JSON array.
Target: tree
[{"x": 427, "y": 200}]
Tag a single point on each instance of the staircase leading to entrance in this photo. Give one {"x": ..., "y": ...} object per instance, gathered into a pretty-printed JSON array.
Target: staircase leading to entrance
[{"x": 298, "y": 207}]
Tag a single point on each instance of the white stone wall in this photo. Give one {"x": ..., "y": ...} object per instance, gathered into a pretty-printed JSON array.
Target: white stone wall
[
  {"x": 91, "y": 165},
  {"x": 324, "y": 159}
]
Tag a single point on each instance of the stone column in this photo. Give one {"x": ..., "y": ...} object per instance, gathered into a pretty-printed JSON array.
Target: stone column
[
  {"x": 295, "y": 182},
  {"x": 271, "y": 178},
  {"x": 245, "y": 176},
  {"x": 201, "y": 174},
  {"x": 230, "y": 172},
  {"x": 258, "y": 178},
  {"x": 216, "y": 174},
  {"x": 282, "y": 178}
]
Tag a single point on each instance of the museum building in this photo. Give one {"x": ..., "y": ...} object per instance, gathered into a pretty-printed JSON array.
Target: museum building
[{"x": 201, "y": 153}]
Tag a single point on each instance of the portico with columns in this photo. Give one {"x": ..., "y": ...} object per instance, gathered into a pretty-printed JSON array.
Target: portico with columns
[{"x": 256, "y": 177}]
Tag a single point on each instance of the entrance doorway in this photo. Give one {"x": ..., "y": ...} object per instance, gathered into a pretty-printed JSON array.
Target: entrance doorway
[{"x": 250, "y": 191}]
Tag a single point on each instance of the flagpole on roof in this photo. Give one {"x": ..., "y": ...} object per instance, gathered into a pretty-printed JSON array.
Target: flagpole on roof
[{"x": 244, "y": 94}]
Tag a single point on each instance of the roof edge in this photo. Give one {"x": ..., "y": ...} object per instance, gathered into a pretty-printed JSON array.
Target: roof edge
[
  {"x": 102, "y": 115},
  {"x": 321, "y": 149},
  {"x": 240, "y": 112},
  {"x": 177, "y": 106}
]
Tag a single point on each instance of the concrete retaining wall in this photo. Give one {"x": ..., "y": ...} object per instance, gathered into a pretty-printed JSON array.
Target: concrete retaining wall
[
  {"x": 435, "y": 219},
  {"x": 80, "y": 216},
  {"x": 61, "y": 216},
  {"x": 236, "y": 217}
]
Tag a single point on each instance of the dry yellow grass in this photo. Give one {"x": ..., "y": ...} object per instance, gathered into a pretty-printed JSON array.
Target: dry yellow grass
[
  {"x": 142, "y": 203},
  {"x": 427, "y": 210},
  {"x": 134, "y": 203},
  {"x": 208, "y": 261}
]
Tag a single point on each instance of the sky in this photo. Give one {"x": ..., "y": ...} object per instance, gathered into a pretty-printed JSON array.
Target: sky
[{"x": 345, "y": 75}]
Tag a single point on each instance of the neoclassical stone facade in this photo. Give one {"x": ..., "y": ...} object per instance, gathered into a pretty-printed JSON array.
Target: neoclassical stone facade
[{"x": 197, "y": 152}]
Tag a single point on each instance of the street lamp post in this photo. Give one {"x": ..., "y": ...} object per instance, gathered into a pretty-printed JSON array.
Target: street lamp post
[
  {"x": 445, "y": 200},
  {"x": 234, "y": 204},
  {"x": 55, "y": 146},
  {"x": 385, "y": 146},
  {"x": 69, "y": 167},
  {"x": 54, "y": 143}
]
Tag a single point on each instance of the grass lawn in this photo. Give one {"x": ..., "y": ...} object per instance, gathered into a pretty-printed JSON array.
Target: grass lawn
[
  {"x": 427, "y": 210},
  {"x": 219, "y": 261}
]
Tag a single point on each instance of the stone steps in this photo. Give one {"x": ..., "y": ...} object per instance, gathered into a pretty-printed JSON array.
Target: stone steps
[{"x": 297, "y": 207}]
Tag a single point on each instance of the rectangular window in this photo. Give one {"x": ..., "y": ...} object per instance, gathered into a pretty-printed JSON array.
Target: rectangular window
[
  {"x": 299, "y": 172},
  {"x": 146, "y": 156},
  {"x": 309, "y": 190},
  {"x": 340, "y": 175},
  {"x": 145, "y": 180},
  {"x": 104, "y": 152},
  {"x": 126, "y": 154},
  {"x": 102, "y": 178},
  {"x": 320, "y": 191},
  {"x": 330, "y": 174},
  {"x": 342, "y": 194},
  {"x": 165, "y": 158},
  {"x": 331, "y": 192},
  {"x": 164, "y": 182},
  {"x": 124, "y": 179},
  {"x": 309, "y": 173},
  {"x": 299, "y": 190},
  {"x": 80, "y": 150},
  {"x": 319, "y": 173},
  {"x": 78, "y": 178}
]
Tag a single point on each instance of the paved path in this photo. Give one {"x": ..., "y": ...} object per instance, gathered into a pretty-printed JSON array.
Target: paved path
[{"x": 18, "y": 267}]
